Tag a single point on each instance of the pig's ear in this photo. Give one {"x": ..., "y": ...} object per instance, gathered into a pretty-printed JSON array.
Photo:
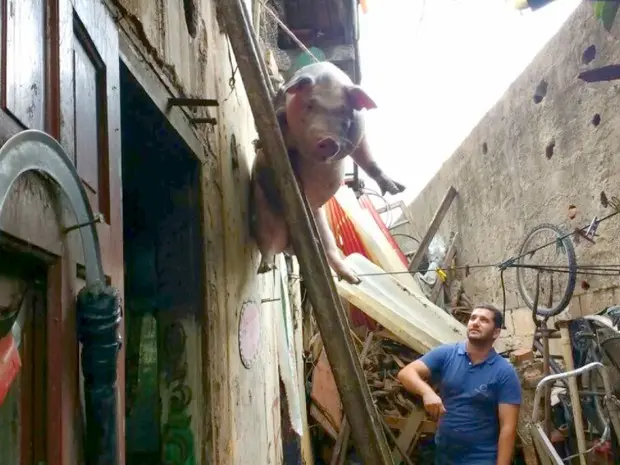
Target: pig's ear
[
  {"x": 358, "y": 98},
  {"x": 299, "y": 84}
]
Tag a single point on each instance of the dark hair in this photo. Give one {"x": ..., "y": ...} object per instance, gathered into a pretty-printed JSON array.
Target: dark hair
[{"x": 498, "y": 317}]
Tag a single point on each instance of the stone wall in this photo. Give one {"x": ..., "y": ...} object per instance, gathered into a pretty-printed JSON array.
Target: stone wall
[{"x": 550, "y": 142}]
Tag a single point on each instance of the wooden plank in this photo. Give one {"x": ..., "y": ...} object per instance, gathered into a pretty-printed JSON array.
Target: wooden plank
[
  {"x": 24, "y": 62},
  {"x": 369, "y": 437},
  {"x": 450, "y": 254},
  {"x": 432, "y": 228},
  {"x": 298, "y": 325},
  {"x": 414, "y": 421}
]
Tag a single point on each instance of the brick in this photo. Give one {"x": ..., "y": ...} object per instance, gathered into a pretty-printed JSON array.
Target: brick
[
  {"x": 522, "y": 321},
  {"x": 522, "y": 355}
]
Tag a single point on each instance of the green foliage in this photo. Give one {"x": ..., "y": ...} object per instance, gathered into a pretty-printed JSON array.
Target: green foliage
[{"x": 605, "y": 11}]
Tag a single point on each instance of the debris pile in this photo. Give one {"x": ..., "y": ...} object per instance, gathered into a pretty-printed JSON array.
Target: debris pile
[
  {"x": 382, "y": 356},
  {"x": 386, "y": 357}
]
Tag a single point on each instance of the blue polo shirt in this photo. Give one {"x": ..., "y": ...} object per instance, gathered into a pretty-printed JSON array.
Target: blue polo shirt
[{"x": 468, "y": 432}]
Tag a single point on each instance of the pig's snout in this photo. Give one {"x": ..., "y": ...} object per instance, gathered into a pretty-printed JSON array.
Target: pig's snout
[{"x": 327, "y": 148}]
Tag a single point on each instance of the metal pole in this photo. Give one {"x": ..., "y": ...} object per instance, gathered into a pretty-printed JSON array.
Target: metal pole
[
  {"x": 366, "y": 427},
  {"x": 573, "y": 390}
]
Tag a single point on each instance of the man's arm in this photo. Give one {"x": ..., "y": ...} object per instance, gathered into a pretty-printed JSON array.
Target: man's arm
[
  {"x": 509, "y": 401},
  {"x": 508, "y": 417},
  {"x": 413, "y": 378}
]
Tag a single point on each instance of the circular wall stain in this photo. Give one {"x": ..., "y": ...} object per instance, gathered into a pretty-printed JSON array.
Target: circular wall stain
[{"x": 249, "y": 333}]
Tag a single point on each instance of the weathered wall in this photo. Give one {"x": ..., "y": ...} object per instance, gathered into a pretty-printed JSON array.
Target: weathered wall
[
  {"x": 239, "y": 408},
  {"x": 508, "y": 182}
]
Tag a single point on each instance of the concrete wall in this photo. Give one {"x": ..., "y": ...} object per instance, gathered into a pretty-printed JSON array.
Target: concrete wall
[
  {"x": 508, "y": 181},
  {"x": 236, "y": 419}
]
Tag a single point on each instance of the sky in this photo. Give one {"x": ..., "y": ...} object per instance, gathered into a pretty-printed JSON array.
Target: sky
[{"x": 435, "y": 67}]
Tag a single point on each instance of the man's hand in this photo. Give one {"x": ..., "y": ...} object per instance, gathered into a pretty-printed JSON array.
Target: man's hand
[{"x": 433, "y": 405}]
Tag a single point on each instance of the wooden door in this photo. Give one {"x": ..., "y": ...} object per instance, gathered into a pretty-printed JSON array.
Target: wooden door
[
  {"x": 23, "y": 411},
  {"x": 90, "y": 113},
  {"x": 90, "y": 133},
  {"x": 59, "y": 72}
]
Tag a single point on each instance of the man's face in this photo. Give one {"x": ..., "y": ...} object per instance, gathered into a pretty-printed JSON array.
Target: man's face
[{"x": 481, "y": 326}]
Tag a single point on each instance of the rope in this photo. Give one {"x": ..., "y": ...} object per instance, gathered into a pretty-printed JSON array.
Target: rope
[{"x": 287, "y": 30}]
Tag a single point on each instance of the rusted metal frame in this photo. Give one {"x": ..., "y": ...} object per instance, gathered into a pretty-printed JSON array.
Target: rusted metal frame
[
  {"x": 432, "y": 229},
  {"x": 330, "y": 315},
  {"x": 450, "y": 254},
  {"x": 192, "y": 102}
]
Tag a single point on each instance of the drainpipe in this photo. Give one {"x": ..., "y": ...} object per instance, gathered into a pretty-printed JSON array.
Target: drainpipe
[
  {"x": 361, "y": 413},
  {"x": 98, "y": 305}
]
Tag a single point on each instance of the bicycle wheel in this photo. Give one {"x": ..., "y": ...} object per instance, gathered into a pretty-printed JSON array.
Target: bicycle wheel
[{"x": 526, "y": 277}]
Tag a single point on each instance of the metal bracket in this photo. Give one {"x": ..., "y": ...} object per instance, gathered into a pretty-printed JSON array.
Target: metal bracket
[
  {"x": 192, "y": 102},
  {"x": 591, "y": 232},
  {"x": 98, "y": 218},
  {"x": 211, "y": 121}
]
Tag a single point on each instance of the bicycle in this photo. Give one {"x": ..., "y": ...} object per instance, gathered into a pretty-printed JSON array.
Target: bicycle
[{"x": 585, "y": 332}]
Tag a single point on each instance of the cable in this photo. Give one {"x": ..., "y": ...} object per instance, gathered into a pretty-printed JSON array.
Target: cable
[{"x": 558, "y": 239}]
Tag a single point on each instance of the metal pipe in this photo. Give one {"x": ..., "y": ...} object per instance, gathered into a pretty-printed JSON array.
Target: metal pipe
[
  {"x": 560, "y": 376},
  {"x": 332, "y": 321},
  {"x": 98, "y": 306},
  {"x": 611, "y": 402}
]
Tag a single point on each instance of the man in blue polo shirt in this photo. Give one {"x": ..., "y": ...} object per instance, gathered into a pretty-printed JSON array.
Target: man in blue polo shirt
[{"x": 479, "y": 395}]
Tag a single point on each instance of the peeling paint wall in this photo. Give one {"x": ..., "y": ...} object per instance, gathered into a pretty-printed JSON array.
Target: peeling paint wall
[
  {"x": 239, "y": 407},
  {"x": 550, "y": 142}
]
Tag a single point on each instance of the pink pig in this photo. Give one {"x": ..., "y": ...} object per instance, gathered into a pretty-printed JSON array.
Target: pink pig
[{"x": 320, "y": 115}]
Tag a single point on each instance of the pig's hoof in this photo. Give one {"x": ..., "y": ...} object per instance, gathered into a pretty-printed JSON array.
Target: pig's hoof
[
  {"x": 351, "y": 278},
  {"x": 265, "y": 267},
  {"x": 390, "y": 186}
]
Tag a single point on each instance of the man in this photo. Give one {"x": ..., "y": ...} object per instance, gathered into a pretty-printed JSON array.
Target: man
[{"x": 479, "y": 395}]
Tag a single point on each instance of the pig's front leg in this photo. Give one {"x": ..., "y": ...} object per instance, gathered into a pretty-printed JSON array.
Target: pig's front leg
[
  {"x": 267, "y": 223},
  {"x": 362, "y": 156},
  {"x": 333, "y": 253}
]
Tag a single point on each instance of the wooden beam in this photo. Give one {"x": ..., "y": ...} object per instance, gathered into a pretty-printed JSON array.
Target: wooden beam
[
  {"x": 331, "y": 318},
  {"x": 432, "y": 229},
  {"x": 450, "y": 253}
]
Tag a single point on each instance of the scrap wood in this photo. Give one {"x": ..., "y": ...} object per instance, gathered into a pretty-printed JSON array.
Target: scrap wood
[
  {"x": 389, "y": 433},
  {"x": 325, "y": 394},
  {"x": 341, "y": 446},
  {"x": 409, "y": 433}
]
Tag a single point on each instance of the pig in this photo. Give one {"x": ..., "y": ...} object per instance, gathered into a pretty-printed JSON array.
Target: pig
[{"x": 319, "y": 111}]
